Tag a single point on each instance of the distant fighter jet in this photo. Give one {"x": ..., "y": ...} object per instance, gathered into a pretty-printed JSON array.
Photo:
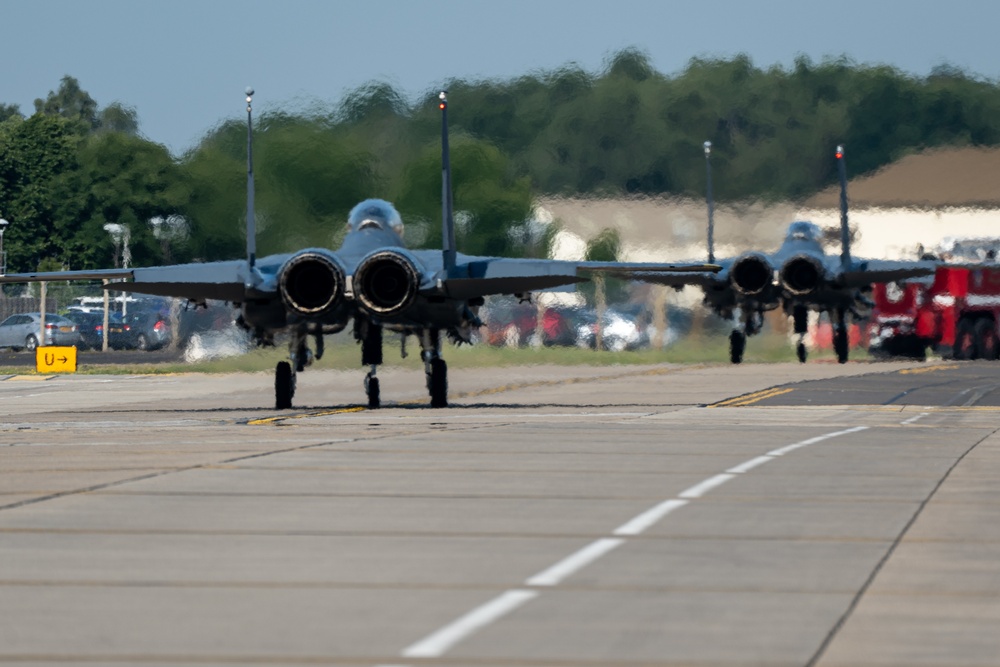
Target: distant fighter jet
[
  {"x": 372, "y": 278},
  {"x": 800, "y": 276}
]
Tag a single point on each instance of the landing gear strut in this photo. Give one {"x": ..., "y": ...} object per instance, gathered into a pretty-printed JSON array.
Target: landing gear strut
[
  {"x": 371, "y": 355},
  {"x": 435, "y": 367},
  {"x": 299, "y": 356},
  {"x": 800, "y": 320},
  {"x": 752, "y": 323},
  {"x": 840, "y": 343}
]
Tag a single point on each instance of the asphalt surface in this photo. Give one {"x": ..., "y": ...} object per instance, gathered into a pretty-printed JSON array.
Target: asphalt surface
[{"x": 810, "y": 514}]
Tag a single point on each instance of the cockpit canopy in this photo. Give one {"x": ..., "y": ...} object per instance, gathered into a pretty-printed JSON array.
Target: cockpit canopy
[
  {"x": 377, "y": 214},
  {"x": 804, "y": 231}
]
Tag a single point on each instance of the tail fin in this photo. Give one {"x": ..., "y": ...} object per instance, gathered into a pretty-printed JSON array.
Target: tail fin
[
  {"x": 251, "y": 220},
  {"x": 845, "y": 232},
  {"x": 711, "y": 203},
  {"x": 448, "y": 249}
]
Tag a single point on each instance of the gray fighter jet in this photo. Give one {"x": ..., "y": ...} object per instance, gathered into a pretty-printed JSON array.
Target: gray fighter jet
[
  {"x": 798, "y": 277},
  {"x": 372, "y": 279}
]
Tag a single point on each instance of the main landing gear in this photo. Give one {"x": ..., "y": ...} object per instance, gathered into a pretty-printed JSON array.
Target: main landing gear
[
  {"x": 738, "y": 338},
  {"x": 371, "y": 355},
  {"x": 434, "y": 367},
  {"x": 840, "y": 341},
  {"x": 800, "y": 321},
  {"x": 299, "y": 356}
]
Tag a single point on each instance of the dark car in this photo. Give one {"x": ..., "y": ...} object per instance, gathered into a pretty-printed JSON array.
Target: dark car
[
  {"x": 142, "y": 330},
  {"x": 91, "y": 327}
]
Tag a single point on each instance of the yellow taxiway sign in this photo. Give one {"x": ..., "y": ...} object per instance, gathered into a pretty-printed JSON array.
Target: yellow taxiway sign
[{"x": 55, "y": 359}]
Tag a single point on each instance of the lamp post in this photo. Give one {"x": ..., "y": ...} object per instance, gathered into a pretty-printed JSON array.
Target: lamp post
[
  {"x": 3, "y": 256},
  {"x": 120, "y": 235},
  {"x": 708, "y": 198}
]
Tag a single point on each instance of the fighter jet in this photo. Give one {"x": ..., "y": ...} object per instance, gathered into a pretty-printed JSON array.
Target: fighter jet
[
  {"x": 798, "y": 277},
  {"x": 372, "y": 279}
]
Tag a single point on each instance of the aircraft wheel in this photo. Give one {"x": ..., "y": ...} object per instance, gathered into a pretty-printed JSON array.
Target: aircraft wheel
[
  {"x": 372, "y": 389},
  {"x": 800, "y": 352},
  {"x": 737, "y": 344},
  {"x": 986, "y": 340},
  {"x": 840, "y": 344},
  {"x": 438, "y": 383},
  {"x": 284, "y": 386},
  {"x": 965, "y": 341}
]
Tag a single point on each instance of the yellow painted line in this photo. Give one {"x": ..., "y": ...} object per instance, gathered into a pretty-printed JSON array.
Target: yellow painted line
[
  {"x": 928, "y": 369},
  {"x": 302, "y": 415},
  {"x": 747, "y": 399}
]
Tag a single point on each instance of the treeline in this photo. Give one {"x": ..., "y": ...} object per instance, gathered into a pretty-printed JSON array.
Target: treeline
[{"x": 72, "y": 167}]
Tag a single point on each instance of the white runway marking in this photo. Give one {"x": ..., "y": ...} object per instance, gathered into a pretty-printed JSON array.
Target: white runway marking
[
  {"x": 649, "y": 517},
  {"x": 571, "y": 564},
  {"x": 436, "y": 644},
  {"x": 441, "y": 641},
  {"x": 701, "y": 488}
]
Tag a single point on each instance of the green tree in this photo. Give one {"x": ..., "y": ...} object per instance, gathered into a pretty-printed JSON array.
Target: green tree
[{"x": 70, "y": 102}]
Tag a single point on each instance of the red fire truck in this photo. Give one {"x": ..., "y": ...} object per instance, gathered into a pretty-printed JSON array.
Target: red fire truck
[{"x": 956, "y": 313}]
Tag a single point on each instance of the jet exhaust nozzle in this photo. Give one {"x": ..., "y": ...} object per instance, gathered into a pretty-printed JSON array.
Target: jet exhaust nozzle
[
  {"x": 386, "y": 282},
  {"x": 751, "y": 274},
  {"x": 802, "y": 275},
  {"x": 311, "y": 283}
]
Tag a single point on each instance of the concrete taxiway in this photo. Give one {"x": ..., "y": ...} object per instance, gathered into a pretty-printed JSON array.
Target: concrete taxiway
[{"x": 809, "y": 514}]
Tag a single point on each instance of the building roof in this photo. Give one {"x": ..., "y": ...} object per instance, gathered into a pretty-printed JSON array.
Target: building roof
[{"x": 939, "y": 178}]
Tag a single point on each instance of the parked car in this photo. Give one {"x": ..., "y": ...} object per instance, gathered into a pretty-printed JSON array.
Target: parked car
[
  {"x": 618, "y": 332},
  {"x": 142, "y": 330},
  {"x": 91, "y": 327},
  {"x": 22, "y": 331}
]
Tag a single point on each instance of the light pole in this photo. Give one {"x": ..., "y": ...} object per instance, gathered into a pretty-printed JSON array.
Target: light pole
[
  {"x": 3, "y": 256},
  {"x": 120, "y": 235},
  {"x": 711, "y": 204}
]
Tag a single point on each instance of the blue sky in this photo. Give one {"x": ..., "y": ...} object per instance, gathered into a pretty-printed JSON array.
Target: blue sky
[{"x": 183, "y": 64}]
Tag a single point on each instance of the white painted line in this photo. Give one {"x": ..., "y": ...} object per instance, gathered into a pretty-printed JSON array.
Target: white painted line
[
  {"x": 439, "y": 642},
  {"x": 700, "y": 489},
  {"x": 567, "y": 566},
  {"x": 751, "y": 464},
  {"x": 640, "y": 523},
  {"x": 813, "y": 441},
  {"x": 913, "y": 419}
]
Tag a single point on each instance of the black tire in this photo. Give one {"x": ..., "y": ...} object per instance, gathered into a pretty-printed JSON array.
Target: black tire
[
  {"x": 30, "y": 343},
  {"x": 142, "y": 343},
  {"x": 986, "y": 340},
  {"x": 284, "y": 386},
  {"x": 840, "y": 345},
  {"x": 374, "y": 394},
  {"x": 800, "y": 352},
  {"x": 438, "y": 383},
  {"x": 737, "y": 344},
  {"x": 965, "y": 341}
]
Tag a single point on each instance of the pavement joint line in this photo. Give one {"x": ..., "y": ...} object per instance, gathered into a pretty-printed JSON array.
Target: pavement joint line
[{"x": 439, "y": 642}]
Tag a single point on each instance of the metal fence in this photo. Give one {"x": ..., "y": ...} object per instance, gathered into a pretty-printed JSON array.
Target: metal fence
[{"x": 15, "y": 305}]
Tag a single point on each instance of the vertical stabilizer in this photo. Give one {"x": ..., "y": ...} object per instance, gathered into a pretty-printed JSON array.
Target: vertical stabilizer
[
  {"x": 711, "y": 203},
  {"x": 251, "y": 220},
  {"x": 845, "y": 232},
  {"x": 447, "y": 215}
]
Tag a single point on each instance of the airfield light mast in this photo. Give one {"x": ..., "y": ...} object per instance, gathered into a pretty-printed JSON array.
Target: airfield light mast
[
  {"x": 711, "y": 204},
  {"x": 251, "y": 221},
  {"x": 845, "y": 232},
  {"x": 448, "y": 220}
]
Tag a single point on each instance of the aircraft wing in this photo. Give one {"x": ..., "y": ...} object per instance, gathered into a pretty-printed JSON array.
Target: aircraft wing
[
  {"x": 225, "y": 281},
  {"x": 483, "y": 276},
  {"x": 674, "y": 275},
  {"x": 868, "y": 271}
]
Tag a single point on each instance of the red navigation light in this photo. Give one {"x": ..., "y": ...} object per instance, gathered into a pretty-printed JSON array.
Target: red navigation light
[{"x": 442, "y": 106}]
